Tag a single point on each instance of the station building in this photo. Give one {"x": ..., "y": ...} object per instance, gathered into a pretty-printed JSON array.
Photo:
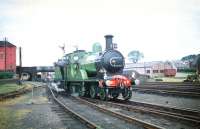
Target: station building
[{"x": 7, "y": 56}]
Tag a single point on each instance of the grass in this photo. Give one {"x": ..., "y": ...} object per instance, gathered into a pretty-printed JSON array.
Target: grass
[
  {"x": 166, "y": 79},
  {"x": 183, "y": 75},
  {"x": 23, "y": 99},
  {"x": 11, "y": 102},
  {"x": 6, "y": 88},
  {"x": 10, "y": 119},
  {"x": 180, "y": 77},
  {"x": 7, "y": 118},
  {"x": 172, "y": 79}
]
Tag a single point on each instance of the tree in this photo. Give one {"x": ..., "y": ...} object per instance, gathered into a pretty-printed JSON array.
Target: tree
[
  {"x": 189, "y": 59},
  {"x": 135, "y": 56},
  {"x": 96, "y": 48},
  {"x": 196, "y": 63}
]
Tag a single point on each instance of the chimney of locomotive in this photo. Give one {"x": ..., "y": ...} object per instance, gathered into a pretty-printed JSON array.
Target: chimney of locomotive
[{"x": 109, "y": 43}]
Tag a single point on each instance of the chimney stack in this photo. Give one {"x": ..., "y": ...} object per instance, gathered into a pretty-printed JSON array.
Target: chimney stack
[{"x": 109, "y": 43}]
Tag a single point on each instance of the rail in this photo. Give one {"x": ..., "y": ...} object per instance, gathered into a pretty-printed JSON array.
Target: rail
[
  {"x": 186, "y": 114},
  {"x": 166, "y": 91},
  {"x": 146, "y": 125},
  {"x": 77, "y": 116}
]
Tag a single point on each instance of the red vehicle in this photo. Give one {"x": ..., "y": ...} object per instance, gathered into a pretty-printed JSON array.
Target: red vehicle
[{"x": 170, "y": 72}]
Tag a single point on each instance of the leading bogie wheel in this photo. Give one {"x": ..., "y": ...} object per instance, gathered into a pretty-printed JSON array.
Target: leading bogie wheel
[
  {"x": 127, "y": 94},
  {"x": 115, "y": 94}
]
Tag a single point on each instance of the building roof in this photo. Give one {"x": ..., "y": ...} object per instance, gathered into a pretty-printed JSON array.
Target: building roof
[
  {"x": 152, "y": 64},
  {"x": 8, "y": 44}
]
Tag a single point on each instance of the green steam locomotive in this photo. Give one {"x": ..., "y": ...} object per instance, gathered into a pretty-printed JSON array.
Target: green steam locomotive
[{"x": 94, "y": 74}]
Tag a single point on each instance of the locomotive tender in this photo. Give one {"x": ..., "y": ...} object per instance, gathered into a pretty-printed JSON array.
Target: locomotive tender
[{"x": 94, "y": 73}]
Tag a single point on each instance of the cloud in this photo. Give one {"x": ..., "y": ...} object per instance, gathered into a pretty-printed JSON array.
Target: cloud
[{"x": 161, "y": 29}]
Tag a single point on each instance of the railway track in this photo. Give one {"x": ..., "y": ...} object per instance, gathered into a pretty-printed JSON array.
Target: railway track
[
  {"x": 21, "y": 91},
  {"x": 146, "y": 125},
  {"x": 98, "y": 117},
  {"x": 170, "y": 88},
  {"x": 186, "y": 116},
  {"x": 171, "y": 84},
  {"x": 67, "y": 114},
  {"x": 169, "y": 92},
  {"x": 14, "y": 93},
  {"x": 5, "y": 81},
  {"x": 86, "y": 122}
]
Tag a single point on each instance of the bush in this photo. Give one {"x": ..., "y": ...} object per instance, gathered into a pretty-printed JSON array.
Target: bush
[
  {"x": 192, "y": 78},
  {"x": 159, "y": 79},
  {"x": 6, "y": 75},
  {"x": 186, "y": 70}
]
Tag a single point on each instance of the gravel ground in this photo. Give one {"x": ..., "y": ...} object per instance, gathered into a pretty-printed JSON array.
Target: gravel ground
[
  {"x": 165, "y": 100},
  {"x": 38, "y": 113},
  {"x": 103, "y": 120}
]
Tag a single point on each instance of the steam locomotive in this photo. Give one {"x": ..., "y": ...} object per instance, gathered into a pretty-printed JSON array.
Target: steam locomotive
[{"x": 94, "y": 74}]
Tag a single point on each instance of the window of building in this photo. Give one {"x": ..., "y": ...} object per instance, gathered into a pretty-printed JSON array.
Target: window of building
[
  {"x": 148, "y": 71},
  {"x": 11, "y": 67},
  {"x": 1, "y": 55},
  {"x": 155, "y": 71},
  {"x": 161, "y": 71}
]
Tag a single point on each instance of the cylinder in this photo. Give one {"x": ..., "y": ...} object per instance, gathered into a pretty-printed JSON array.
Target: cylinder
[{"x": 109, "y": 44}]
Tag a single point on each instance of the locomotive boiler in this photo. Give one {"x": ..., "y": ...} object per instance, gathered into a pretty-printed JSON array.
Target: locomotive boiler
[{"x": 94, "y": 73}]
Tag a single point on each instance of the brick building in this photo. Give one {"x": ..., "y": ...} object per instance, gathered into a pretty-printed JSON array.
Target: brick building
[
  {"x": 7, "y": 56},
  {"x": 153, "y": 69}
]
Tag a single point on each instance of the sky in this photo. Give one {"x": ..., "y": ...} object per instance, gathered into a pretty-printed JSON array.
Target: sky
[{"x": 160, "y": 29}]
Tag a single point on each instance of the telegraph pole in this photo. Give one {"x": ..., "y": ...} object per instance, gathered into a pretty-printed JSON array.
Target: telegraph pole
[
  {"x": 5, "y": 45},
  {"x": 20, "y": 64}
]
